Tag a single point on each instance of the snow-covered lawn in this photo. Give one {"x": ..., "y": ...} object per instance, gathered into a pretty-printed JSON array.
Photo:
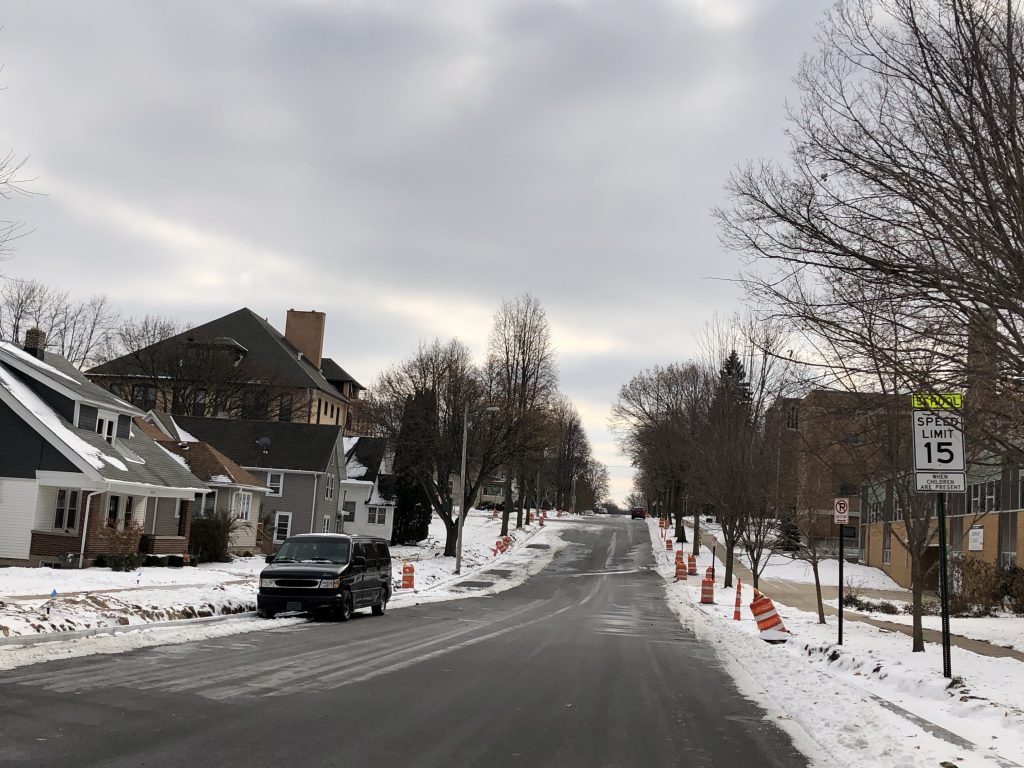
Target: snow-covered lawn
[
  {"x": 830, "y": 698},
  {"x": 97, "y": 598},
  {"x": 781, "y": 567}
]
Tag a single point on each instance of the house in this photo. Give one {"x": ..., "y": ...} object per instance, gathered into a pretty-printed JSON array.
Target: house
[
  {"x": 367, "y": 492},
  {"x": 301, "y": 465},
  {"x": 231, "y": 489},
  {"x": 238, "y": 366},
  {"x": 74, "y": 473}
]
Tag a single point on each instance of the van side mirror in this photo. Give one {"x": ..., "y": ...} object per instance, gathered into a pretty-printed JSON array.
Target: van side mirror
[
  {"x": 359, "y": 560},
  {"x": 270, "y": 558}
]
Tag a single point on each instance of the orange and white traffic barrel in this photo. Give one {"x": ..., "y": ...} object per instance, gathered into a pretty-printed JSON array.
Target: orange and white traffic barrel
[
  {"x": 408, "y": 575},
  {"x": 707, "y": 592},
  {"x": 680, "y": 566},
  {"x": 691, "y": 565},
  {"x": 769, "y": 623}
]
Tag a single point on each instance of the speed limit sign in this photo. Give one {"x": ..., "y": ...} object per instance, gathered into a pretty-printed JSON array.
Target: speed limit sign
[{"x": 938, "y": 446}]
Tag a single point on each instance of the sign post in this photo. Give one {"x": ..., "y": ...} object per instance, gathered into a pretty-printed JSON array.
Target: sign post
[
  {"x": 940, "y": 467},
  {"x": 841, "y": 516}
]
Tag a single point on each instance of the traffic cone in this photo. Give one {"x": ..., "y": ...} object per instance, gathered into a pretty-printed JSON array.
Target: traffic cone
[{"x": 736, "y": 612}]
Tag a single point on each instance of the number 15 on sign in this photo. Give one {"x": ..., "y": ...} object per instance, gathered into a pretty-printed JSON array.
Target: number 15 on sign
[{"x": 938, "y": 441}]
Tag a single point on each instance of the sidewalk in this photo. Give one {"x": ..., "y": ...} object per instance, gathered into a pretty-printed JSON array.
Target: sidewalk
[{"x": 802, "y": 596}]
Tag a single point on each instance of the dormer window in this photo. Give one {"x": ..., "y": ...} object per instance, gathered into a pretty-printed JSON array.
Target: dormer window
[{"x": 106, "y": 425}]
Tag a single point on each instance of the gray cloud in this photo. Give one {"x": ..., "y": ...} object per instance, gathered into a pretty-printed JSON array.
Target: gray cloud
[{"x": 401, "y": 165}]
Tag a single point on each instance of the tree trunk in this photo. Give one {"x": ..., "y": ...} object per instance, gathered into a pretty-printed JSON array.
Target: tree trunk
[
  {"x": 519, "y": 503},
  {"x": 917, "y": 593},
  {"x": 754, "y": 563},
  {"x": 729, "y": 549},
  {"x": 817, "y": 591},
  {"x": 506, "y": 509},
  {"x": 696, "y": 533},
  {"x": 451, "y": 536}
]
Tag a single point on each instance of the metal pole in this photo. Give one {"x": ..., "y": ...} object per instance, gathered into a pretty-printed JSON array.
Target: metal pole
[
  {"x": 842, "y": 532},
  {"x": 947, "y": 671},
  {"x": 462, "y": 490}
]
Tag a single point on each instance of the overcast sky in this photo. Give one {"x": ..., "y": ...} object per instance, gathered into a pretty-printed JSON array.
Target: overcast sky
[{"x": 401, "y": 166}]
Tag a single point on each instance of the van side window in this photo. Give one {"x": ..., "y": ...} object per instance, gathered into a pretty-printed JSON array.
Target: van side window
[
  {"x": 365, "y": 549},
  {"x": 383, "y": 556}
]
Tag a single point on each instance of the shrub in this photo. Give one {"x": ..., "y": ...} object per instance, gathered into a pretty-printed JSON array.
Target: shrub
[
  {"x": 175, "y": 561},
  {"x": 1013, "y": 588},
  {"x": 974, "y": 587},
  {"x": 124, "y": 546},
  {"x": 211, "y": 535}
]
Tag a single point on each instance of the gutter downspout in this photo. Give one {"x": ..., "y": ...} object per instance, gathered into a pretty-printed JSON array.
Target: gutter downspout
[
  {"x": 312, "y": 517},
  {"x": 85, "y": 526}
]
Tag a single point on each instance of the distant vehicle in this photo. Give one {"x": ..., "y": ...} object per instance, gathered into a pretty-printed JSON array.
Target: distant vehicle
[
  {"x": 588, "y": 513},
  {"x": 329, "y": 574},
  {"x": 637, "y": 513}
]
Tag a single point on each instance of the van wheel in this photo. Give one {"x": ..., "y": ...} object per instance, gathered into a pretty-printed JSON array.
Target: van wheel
[
  {"x": 378, "y": 608},
  {"x": 263, "y": 613},
  {"x": 345, "y": 612}
]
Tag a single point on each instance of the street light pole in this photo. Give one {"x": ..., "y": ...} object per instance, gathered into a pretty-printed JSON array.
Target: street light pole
[{"x": 462, "y": 490}]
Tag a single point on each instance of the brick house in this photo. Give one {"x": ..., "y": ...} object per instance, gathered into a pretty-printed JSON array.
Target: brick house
[
  {"x": 73, "y": 469},
  {"x": 238, "y": 366}
]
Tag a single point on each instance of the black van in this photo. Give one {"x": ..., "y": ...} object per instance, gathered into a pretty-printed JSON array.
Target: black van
[{"x": 326, "y": 573}]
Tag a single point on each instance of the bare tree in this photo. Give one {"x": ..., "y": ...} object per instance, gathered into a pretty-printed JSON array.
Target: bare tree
[
  {"x": 424, "y": 400},
  {"x": 77, "y": 330},
  {"x": 522, "y": 379}
]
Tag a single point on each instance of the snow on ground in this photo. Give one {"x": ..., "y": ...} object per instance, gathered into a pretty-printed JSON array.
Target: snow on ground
[
  {"x": 1006, "y": 630},
  {"x": 833, "y": 700},
  {"x": 98, "y": 598},
  {"x": 780, "y": 567}
]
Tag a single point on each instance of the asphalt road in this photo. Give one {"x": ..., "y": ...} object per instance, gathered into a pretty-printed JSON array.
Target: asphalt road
[{"x": 581, "y": 667}]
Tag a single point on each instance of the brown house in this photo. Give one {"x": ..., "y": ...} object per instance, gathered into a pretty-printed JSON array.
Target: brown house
[{"x": 238, "y": 366}]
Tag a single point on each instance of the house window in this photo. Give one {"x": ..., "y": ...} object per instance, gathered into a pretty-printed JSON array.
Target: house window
[
  {"x": 1008, "y": 539},
  {"x": 129, "y": 510},
  {"x": 329, "y": 487},
  {"x": 956, "y": 534},
  {"x": 205, "y": 504},
  {"x": 326, "y": 528},
  {"x": 983, "y": 497},
  {"x": 243, "y": 505},
  {"x": 199, "y": 403},
  {"x": 105, "y": 428},
  {"x": 793, "y": 417},
  {"x": 282, "y": 526},
  {"x": 113, "y": 507},
  {"x": 144, "y": 397},
  {"x": 65, "y": 514},
  {"x": 376, "y": 515},
  {"x": 284, "y": 408},
  {"x": 349, "y": 508},
  {"x": 887, "y": 544},
  {"x": 275, "y": 481}
]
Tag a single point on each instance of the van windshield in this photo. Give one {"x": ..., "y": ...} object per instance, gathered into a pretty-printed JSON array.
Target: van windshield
[{"x": 313, "y": 551}]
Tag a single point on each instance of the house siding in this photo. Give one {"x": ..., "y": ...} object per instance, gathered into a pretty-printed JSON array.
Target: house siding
[
  {"x": 23, "y": 450},
  {"x": 87, "y": 416},
  {"x": 163, "y": 522},
  {"x": 17, "y": 511},
  {"x": 296, "y": 498},
  {"x": 243, "y": 539}
]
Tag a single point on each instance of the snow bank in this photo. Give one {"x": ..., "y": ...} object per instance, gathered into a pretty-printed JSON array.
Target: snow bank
[{"x": 837, "y": 701}]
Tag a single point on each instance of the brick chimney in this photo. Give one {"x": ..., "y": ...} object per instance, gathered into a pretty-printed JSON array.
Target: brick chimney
[
  {"x": 305, "y": 331},
  {"x": 35, "y": 342}
]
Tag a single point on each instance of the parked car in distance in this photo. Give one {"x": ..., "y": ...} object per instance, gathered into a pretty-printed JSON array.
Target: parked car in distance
[
  {"x": 637, "y": 513},
  {"x": 326, "y": 574},
  {"x": 588, "y": 513}
]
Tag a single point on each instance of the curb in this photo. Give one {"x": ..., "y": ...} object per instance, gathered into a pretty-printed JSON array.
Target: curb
[{"x": 119, "y": 629}]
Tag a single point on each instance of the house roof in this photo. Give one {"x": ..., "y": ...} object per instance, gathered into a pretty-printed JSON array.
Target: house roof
[
  {"x": 363, "y": 457},
  {"x": 335, "y": 374},
  {"x": 136, "y": 459},
  {"x": 265, "y": 350},
  {"x": 61, "y": 376},
  {"x": 293, "y": 445},
  {"x": 211, "y": 466}
]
